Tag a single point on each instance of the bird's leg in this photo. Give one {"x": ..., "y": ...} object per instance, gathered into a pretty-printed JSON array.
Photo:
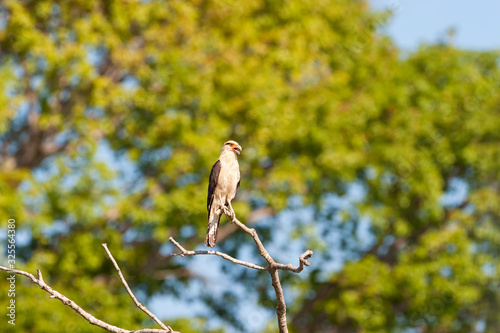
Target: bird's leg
[
  {"x": 221, "y": 208},
  {"x": 228, "y": 210},
  {"x": 231, "y": 212}
]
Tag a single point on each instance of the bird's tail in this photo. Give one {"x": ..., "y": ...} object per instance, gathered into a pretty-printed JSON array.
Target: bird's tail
[{"x": 213, "y": 226}]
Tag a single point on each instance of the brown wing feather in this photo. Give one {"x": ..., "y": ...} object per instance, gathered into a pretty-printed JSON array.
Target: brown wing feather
[{"x": 212, "y": 184}]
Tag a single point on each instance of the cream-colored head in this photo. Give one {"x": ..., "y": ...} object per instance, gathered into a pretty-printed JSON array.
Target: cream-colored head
[{"x": 232, "y": 146}]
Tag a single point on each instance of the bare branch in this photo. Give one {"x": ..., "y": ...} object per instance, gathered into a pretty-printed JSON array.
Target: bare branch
[
  {"x": 66, "y": 301},
  {"x": 185, "y": 252},
  {"x": 139, "y": 305},
  {"x": 273, "y": 267},
  {"x": 254, "y": 216},
  {"x": 280, "y": 298},
  {"x": 251, "y": 232},
  {"x": 302, "y": 262}
]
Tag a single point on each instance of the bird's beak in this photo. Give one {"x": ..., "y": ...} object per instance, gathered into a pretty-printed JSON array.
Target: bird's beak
[{"x": 238, "y": 149}]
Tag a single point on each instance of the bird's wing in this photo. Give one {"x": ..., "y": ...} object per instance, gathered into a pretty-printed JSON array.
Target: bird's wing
[
  {"x": 212, "y": 183},
  {"x": 238, "y": 185}
]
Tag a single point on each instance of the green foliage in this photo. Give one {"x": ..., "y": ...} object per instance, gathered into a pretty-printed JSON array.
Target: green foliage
[{"x": 112, "y": 113}]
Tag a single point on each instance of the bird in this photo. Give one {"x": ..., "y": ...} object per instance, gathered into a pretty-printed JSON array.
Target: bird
[{"x": 223, "y": 183}]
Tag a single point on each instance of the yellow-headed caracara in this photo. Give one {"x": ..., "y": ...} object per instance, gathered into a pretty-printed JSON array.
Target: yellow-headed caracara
[{"x": 222, "y": 186}]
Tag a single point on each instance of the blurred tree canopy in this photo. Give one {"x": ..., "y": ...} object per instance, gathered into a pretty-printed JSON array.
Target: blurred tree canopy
[{"x": 113, "y": 112}]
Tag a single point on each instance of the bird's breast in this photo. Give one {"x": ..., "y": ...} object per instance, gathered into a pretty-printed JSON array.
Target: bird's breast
[{"x": 229, "y": 176}]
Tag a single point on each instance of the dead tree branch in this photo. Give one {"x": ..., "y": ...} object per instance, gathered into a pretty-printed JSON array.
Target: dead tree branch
[
  {"x": 185, "y": 252},
  {"x": 90, "y": 318},
  {"x": 273, "y": 267},
  {"x": 139, "y": 305}
]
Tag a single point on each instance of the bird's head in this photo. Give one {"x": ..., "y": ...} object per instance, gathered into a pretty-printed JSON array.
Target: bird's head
[{"x": 232, "y": 146}]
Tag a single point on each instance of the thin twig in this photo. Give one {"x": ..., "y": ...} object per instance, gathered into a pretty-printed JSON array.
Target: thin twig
[
  {"x": 185, "y": 252},
  {"x": 273, "y": 267},
  {"x": 302, "y": 262},
  {"x": 66, "y": 301},
  {"x": 139, "y": 305},
  {"x": 251, "y": 232}
]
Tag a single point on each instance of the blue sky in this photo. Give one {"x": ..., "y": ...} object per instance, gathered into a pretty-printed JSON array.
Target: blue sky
[{"x": 477, "y": 23}]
